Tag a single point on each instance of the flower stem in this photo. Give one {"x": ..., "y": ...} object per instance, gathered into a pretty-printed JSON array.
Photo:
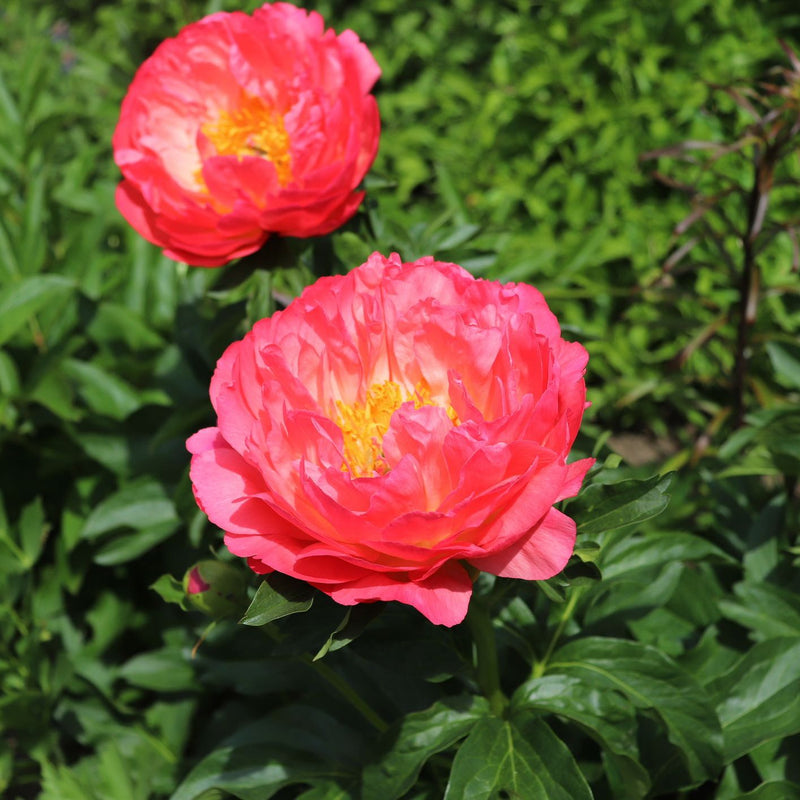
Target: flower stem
[
  {"x": 480, "y": 626},
  {"x": 347, "y": 691},
  {"x": 338, "y": 683},
  {"x": 540, "y": 666}
]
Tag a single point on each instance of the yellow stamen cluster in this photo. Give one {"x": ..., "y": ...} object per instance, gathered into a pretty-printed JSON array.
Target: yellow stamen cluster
[
  {"x": 364, "y": 425},
  {"x": 252, "y": 129}
]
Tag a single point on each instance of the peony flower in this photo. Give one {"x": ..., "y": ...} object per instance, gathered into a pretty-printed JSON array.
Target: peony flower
[
  {"x": 243, "y": 126},
  {"x": 393, "y": 428}
]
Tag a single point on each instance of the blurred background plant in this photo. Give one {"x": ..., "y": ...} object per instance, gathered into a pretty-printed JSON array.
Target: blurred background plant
[{"x": 512, "y": 138}]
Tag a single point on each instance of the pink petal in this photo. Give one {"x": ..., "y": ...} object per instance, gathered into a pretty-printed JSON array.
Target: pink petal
[
  {"x": 443, "y": 597},
  {"x": 538, "y": 556}
]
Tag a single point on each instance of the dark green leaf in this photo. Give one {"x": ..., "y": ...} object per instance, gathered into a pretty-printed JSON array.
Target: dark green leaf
[
  {"x": 608, "y": 717},
  {"x": 25, "y": 299},
  {"x": 140, "y": 505},
  {"x": 767, "y": 610},
  {"x": 650, "y": 680},
  {"x": 166, "y": 670},
  {"x": 610, "y": 507},
  {"x": 250, "y": 772},
  {"x": 114, "y": 322},
  {"x": 774, "y": 790},
  {"x": 411, "y": 742},
  {"x": 356, "y": 618},
  {"x": 129, "y": 545},
  {"x": 330, "y": 790},
  {"x": 628, "y": 554},
  {"x": 759, "y": 698},
  {"x": 103, "y": 392},
  {"x": 278, "y": 596},
  {"x": 521, "y": 757}
]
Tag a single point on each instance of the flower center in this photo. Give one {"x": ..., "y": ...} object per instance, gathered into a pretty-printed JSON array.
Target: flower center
[
  {"x": 364, "y": 425},
  {"x": 252, "y": 129}
]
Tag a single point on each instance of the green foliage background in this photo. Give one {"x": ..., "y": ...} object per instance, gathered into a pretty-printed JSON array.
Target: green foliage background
[{"x": 512, "y": 133}]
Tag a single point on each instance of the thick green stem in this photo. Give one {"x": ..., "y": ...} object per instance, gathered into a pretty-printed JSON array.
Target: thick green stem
[{"x": 480, "y": 625}]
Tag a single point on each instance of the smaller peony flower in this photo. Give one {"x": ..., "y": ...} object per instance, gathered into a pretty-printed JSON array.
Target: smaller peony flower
[
  {"x": 243, "y": 126},
  {"x": 394, "y": 430}
]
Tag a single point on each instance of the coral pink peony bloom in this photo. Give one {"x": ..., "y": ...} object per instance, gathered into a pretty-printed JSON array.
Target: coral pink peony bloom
[
  {"x": 243, "y": 126},
  {"x": 392, "y": 426}
]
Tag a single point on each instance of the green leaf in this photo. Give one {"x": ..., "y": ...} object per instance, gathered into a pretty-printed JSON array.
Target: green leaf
[
  {"x": 102, "y": 392},
  {"x": 786, "y": 366},
  {"x": 610, "y": 507},
  {"x": 629, "y": 554},
  {"x": 117, "y": 323},
  {"x": 759, "y": 698},
  {"x": 330, "y": 790},
  {"x": 114, "y": 773},
  {"x": 608, "y": 717},
  {"x": 139, "y": 505},
  {"x": 170, "y": 590},
  {"x": 650, "y": 680},
  {"x": 521, "y": 757},
  {"x": 356, "y": 618},
  {"x": 249, "y": 772},
  {"x": 409, "y": 743},
  {"x": 278, "y": 596},
  {"x": 58, "y": 783},
  {"x": 165, "y": 670},
  {"x": 32, "y": 530},
  {"x": 25, "y": 299},
  {"x": 774, "y": 790},
  {"x": 768, "y": 611},
  {"x": 129, "y": 545}
]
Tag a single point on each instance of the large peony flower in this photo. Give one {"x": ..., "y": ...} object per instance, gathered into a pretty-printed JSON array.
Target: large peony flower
[
  {"x": 243, "y": 126},
  {"x": 393, "y": 426}
]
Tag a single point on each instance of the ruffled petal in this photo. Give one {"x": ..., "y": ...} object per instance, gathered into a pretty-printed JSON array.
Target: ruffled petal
[
  {"x": 443, "y": 597},
  {"x": 537, "y": 556}
]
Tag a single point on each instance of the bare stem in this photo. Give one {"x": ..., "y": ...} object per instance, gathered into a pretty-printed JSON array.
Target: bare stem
[{"x": 480, "y": 625}]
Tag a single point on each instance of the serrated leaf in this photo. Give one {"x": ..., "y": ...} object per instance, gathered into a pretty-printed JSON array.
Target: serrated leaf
[
  {"x": 610, "y": 507},
  {"x": 278, "y": 596},
  {"x": 759, "y": 698},
  {"x": 521, "y": 757},
  {"x": 650, "y": 680},
  {"x": 25, "y": 299},
  {"x": 411, "y": 742}
]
